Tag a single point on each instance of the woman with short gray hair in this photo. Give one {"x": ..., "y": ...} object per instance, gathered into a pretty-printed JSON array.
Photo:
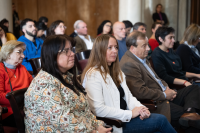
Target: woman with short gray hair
[{"x": 13, "y": 76}]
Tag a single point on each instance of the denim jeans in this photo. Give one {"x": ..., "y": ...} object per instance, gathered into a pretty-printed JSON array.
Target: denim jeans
[{"x": 156, "y": 123}]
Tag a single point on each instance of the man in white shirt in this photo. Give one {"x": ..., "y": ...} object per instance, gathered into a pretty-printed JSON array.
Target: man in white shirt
[{"x": 83, "y": 40}]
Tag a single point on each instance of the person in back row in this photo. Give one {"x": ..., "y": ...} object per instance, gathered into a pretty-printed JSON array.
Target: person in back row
[
  {"x": 179, "y": 107},
  {"x": 57, "y": 28},
  {"x": 105, "y": 28},
  {"x": 109, "y": 95},
  {"x": 128, "y": 25},
  {"x": 152, "y": 40},
  {"x": 119, "y": 31},
  {"x": 83, "y": 40},
  {"x": 33, "y": 44}
]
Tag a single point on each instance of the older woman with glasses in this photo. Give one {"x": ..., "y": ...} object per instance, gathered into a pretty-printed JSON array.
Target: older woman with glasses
[
  {"x": 57, "y": 28},
  {"x": 55, "y": 101},
  {"x": 11, "y": 70}
]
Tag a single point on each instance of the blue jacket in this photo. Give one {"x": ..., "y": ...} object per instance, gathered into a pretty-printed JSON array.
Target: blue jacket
[
  {"x": 122, "y": 47},
  {"x": 31, "y": 51}
]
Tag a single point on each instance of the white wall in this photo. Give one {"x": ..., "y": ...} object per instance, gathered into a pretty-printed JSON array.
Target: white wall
[{"x": 6, "y": 12}]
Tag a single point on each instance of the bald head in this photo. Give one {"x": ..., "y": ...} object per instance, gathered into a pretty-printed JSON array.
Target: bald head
[{"x": 119, "y": 30}]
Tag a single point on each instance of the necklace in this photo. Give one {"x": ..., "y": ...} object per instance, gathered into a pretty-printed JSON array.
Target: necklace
[{"x": 13, "y": 73}]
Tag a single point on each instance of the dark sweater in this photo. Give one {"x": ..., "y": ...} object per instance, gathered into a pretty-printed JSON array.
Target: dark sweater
[
  {"x": 157, "y": 17},
  {"x": 123, "y": 104},
  {"x": 190, "y": 60},
  {"x": 167, "y": 65}
]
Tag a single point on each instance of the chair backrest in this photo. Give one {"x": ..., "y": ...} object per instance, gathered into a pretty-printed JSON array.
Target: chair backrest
[
  {"x": 83, "y": 55},
  {"x": 82, "y": 59},
  {"x": 16, "y": 99},
  {"x": 36, "y": 65}
]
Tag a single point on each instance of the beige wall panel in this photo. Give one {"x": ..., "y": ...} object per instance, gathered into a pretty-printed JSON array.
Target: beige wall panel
[
  {"x": 81, "y": 10},
  {"x": 106, "y": 10}
]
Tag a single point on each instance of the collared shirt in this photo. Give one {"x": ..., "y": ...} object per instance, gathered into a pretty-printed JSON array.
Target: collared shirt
[
  {"x": 143, "y": 61},
  {"x": 88, "y": 43},
  {"x": 192, "y": 47}
]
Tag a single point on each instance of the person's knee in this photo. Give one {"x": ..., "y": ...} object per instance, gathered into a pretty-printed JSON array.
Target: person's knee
[{"x": 159, "y": 117}]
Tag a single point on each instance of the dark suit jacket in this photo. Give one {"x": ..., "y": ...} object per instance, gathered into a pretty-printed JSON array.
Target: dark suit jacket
[
  {"x": 80, "y": 44},
  {"x": 142, "y": 84},
  {"x": 74, "y": 34}
]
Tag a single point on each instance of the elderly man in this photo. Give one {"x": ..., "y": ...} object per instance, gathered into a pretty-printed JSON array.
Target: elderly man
[
  {"x": 83, "y": 40},
  {"x": 143, "y": 83},
  {"x": 33, "y": 44},
  {"x": 119, "y": 33}
]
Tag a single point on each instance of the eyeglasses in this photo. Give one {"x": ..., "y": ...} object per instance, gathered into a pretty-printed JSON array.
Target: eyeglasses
[
  {"x": 66, "y": 51},
  {"x": 65, "y": 27}
]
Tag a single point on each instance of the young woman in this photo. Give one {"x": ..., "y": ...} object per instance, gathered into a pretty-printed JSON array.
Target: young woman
[
  {"x": 109, "y": 95},
  {"x": 57, "y": 28},
  {"x": 105, "y": 27}
]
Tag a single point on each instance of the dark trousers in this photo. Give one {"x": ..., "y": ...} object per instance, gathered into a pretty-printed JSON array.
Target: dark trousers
[
  {"x": 9, "y": 121},
  {"x": 186, "y": 98}
]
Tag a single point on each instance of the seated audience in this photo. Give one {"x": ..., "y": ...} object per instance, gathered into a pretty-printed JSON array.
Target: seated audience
[
  {"x": 55, "y": 98},
  {"x": 142, "y": 27},
  {"x": 5, "y": 36},
  {"x": 83, "y": 40},
  {"x": 57, "y": 28},
  {"x": 41, "y": 28},
  {"x": 159, "y": 16},
  {"x": 5, "y": 23},
  {"x": 33, "y": 44},
  {"x": 45, "y": 21},
  {"x": 109, "y": 96},
  {"x": 179, "y": 107},
  {"x": 152, "y": 40},
  {"x": 188, "y": 52},
  {"x": 119, "y": 33},
  {"x": 11, "y": 71},
  {"x": 105, "y": 28},
  {"x": 167, "y": 63},
  {"x": 128, "y": 25}
]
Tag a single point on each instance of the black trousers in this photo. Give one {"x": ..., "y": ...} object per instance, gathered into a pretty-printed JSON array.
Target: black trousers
[{"x": 186, "y": 98}]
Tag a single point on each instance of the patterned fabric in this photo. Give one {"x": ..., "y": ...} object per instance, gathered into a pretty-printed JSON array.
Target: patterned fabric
[{"x": 52, "y": 107}]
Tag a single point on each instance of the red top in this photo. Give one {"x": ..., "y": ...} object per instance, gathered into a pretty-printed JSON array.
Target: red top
[
  {"x": 153, "y": 43},
  {"x": 22, "y": 80}
]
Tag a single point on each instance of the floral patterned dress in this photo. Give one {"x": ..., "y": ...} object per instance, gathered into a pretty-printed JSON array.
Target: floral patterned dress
[{"x": 52, "y": 107}]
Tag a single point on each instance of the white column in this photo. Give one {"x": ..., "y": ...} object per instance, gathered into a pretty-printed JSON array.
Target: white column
[
  {"x": 6, "y": 12},
  {"x": 130, "y": 10}
]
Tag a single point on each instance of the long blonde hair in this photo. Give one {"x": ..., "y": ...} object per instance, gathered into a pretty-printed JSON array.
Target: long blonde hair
[
  {"x": 97, "y": 59},
  {"x": 191, "y": 34}
]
